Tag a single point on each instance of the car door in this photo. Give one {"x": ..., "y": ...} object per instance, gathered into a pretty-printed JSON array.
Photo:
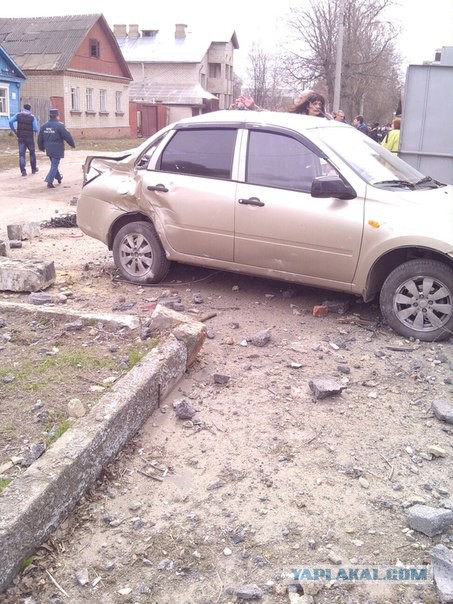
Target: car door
[
  {"x": 279, "y": 226},
  {"x": 189, "y": 192}
]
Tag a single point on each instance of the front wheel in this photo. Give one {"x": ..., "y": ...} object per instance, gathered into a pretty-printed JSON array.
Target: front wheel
[
  {"x": 138, "y": 253},
  {"x": 417, "y": 300}
]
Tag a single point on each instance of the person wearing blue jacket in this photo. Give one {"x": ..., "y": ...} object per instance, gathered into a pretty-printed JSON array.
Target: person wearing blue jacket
[
  {"x": 24, "y": 125},
  {"x": 51, "y": 139}
]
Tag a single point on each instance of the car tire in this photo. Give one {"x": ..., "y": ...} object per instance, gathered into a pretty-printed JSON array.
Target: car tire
[
  {"x": 416, "y": 300},
  {"x": 138, "y": 253}
]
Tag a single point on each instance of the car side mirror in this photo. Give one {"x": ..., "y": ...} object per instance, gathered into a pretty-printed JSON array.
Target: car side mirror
[{"x": 332, "y": 186}]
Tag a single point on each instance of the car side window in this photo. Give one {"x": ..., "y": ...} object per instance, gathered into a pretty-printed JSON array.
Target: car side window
[
  {"x": 200, "y": 152},
  {"x": 277, "y": 160}
]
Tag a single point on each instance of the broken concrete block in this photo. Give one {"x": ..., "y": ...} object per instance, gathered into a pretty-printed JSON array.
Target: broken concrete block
[
  {"x": 15, "y": 243},
  {"x": 14, "y": 232},
  {"x": 26, "y": 276},
  {"x": 3, "y": 248},
  {"x": 442, "y": 562},
  {"x": 324, "y": 385},
  {"x": 192, "y": 334},
  {"x": 428, "y": 520},
  {"x": 30, "y": 230},
  {"x": 40, "y": 298}
]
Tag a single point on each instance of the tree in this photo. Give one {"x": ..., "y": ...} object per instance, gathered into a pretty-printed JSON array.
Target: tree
[
  {"x": 370, "y": 79},
  {"x": 265, "y": 80}
]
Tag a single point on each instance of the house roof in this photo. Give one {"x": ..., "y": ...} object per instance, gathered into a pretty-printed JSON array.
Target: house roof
[
  {"x": 164, "y": 47},
  {"x": 10, "y": 70},
  {"x": 146, "y": 91},
  {"x": 50, "y": 43}
]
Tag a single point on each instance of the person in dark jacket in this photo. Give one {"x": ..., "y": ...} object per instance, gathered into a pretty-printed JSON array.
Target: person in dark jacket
[
  {"x": 26, "y": 125},
  {"x": 51, "y": 139},
  {"x": 359, "y": 123}
]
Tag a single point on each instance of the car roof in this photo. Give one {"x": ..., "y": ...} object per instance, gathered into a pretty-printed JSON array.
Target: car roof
[{"x": 270, "y": 118}]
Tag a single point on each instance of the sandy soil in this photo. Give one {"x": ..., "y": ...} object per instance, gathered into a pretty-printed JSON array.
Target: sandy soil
[{"x": 264, "y": 477}]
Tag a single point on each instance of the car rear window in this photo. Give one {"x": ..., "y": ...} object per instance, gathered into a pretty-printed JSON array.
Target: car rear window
[{"x": 200, "y": 153}]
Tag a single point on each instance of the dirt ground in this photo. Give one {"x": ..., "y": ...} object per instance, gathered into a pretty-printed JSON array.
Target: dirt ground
[{"x": 265, "y": 477}]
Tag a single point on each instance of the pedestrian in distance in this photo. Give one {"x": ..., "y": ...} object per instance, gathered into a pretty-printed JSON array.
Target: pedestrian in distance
[
  {"x": 375, "y": 133},
  {"x": 25, "y": 125},
  {"x": 359, "y": 123},
  {"x": 339, "y": 116},
  {"x": 51, "y": 139},
  {"x": 392, "y": 138}
]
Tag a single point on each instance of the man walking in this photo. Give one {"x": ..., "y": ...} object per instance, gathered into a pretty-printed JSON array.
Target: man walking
[
  {"x": 26, "y": 126},
  {"x": 51, "y": 139}
]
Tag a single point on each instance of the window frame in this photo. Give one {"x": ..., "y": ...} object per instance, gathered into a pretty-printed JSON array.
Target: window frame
[
  {"x": 75, "y": 98},
  {"x": 89, "y": 99},
  {"x": 5, "y": 87},
  {"x": 119, "y": 102},
  {"x": 95, "y": 46},
  {"x": 103, "y": 107}
]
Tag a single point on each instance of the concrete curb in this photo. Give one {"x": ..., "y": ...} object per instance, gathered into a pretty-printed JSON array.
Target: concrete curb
[{"x": 34, "y": 505}]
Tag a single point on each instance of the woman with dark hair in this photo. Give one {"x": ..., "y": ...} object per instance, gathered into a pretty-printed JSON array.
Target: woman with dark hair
[{"x": 309, "y": 103}]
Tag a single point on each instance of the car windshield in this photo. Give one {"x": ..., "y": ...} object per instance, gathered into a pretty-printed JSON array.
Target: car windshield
[{"x": 375, "y": 164}]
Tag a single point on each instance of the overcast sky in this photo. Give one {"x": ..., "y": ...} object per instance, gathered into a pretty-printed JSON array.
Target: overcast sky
[{"x": 427, "y": 25}]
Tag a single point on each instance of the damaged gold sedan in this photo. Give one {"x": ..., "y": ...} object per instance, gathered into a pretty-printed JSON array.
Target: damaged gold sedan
[{"x": 282, "y": 196}]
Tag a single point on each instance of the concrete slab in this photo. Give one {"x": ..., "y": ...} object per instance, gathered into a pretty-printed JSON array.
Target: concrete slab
[{"x": 35, "y": 504}]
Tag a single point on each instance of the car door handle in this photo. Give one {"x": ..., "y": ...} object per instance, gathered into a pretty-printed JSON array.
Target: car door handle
[
  {"x": 251, "y": 201},
  {"x": 158, "y": 188}
]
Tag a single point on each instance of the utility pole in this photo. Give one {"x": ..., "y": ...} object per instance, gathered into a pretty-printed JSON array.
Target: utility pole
[{"x": 339, "y": 60}]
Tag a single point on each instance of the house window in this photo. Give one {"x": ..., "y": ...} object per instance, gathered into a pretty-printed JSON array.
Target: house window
[
  {"x": 4, "y": 100},
  {"x": 89, "y": 94},
  {"x": 103, "y": 100},
  {"x": 75, "y": 98},
  {"x": 215, "y": 70},
  {"x": 94, "y": 49},
  {"x": 118, "y": 101}
]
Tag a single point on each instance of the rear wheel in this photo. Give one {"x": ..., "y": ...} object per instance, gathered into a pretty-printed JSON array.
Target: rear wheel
[
  {"x": 138, "y": 253},
  {"x": 417, "y": 300}
]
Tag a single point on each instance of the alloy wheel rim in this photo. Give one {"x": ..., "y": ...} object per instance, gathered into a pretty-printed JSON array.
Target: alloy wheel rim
[
  {"x": 423, "y": 304},
  {"x": 136, "y": 254}
]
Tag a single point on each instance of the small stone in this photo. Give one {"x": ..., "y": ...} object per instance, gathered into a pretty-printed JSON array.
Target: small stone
[
  {"x": 436, "y": 451},
  {"x": 227, "y": 552},
  {"x": 364, "y": 482},
  {"x": 335, "y": 558},
  {"x": 76, "y": 408},
  {"x": 74, "y": 326},
  {"x": 323, "y": 386},
  {"x": 82, "y": 577},
  {"x": 249, "y": 592},
  {"x": 443, "y": 410},
  {"x": 261, "y": 338},
  {"x": 184, "y": 409}
]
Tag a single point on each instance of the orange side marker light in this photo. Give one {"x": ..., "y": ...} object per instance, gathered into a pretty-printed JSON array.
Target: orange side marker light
[{"x": 374, "y": 223}]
